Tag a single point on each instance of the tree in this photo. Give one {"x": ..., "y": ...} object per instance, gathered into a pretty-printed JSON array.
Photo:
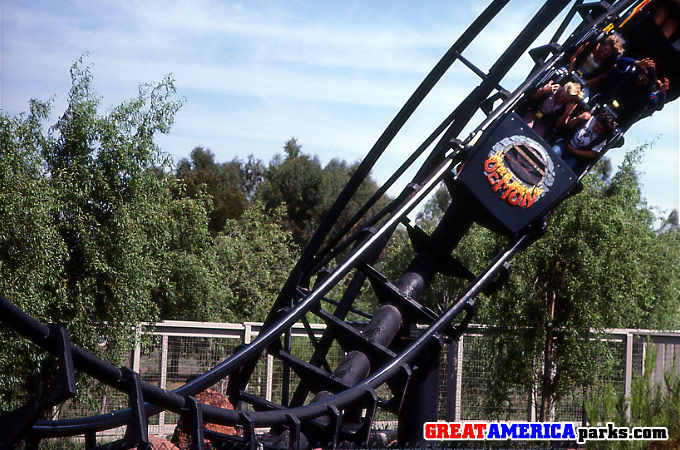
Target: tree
[
  {"x": 308, "y": 190},
  {"x": 230, "y": 185},
  {"x": 30, "y": 247},
  {"x": 671, "y": 222},
  {"x": 336, "y": 175},
  {"x": 232, "y": 276},
  {"x": 87, "y": 211},
  {"x": 298, "y": 182},
  {"x": 597, "y": 266},
  {"x": 256, "y": 254},
  {"x": 99, "y": 236},
  {"x": 109, "y": 201},
  {"x": 601, "y": 264}
]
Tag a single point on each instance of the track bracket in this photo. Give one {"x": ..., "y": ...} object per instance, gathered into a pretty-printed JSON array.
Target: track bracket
[{"x": 15, "y": 424}]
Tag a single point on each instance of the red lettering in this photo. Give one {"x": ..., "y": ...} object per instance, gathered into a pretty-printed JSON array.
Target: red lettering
[
  {"x": 442, "y": 431},
  {"x": 524, "y": 200},
  {"x": 505, "y": 182},
  {"x": 430, "y": 432},
  {"x": 493, "y": 178},
  {"x": 529, "y": 199},
  {"x": 480, "y": 428},
  {"x": 468, "y": 432},
  {"x": 490, "y": 165},
  {"x": 508, "y": 191},
  {"x": 455, "y": 431},
  {"x": 515, "y": 198}
]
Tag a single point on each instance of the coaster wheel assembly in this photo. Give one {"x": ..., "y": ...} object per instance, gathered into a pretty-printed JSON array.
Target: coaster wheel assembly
[{"x": 390, "y": 361}]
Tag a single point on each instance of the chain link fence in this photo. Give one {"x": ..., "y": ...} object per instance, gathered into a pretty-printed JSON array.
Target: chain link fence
[{"x": 181, "y": 350}]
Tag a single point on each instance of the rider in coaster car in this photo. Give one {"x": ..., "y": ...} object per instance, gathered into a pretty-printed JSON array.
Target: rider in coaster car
[
  {"x": 586, "y": 141},
  {"x": 551, "y": 106},
  {"x": 634, "y": 90},
  {"x": 593, "y": 60}
]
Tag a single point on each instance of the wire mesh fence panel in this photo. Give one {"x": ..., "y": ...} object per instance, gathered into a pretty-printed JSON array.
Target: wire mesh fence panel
[
  {"x": 258, "y": 384},
  {"x": 617, "y": 375},
  {"x": 612, "y": 357},
  {"x": 175, "y": 354},
  {"x": 191, "y": 356},
  {"x": 638, "y": 354},
  {"x": 476, "y": 401},
  {"x": 382, "y": 417},
  {"x": 443, "y": 385},
  {"x": 473, "y": 392},
  {"x": 277, "y": 376},
  {"x": 151, "y": 364},
  {"x": 93, "y": 398},
  {"x": 667, "y": 358},
  {"x": 570, "y": 406}
]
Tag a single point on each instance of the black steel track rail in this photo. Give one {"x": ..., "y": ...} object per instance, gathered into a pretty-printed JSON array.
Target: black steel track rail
[
  {"x": 391, "y": 131},
  {"x": 176, "y": 400},
  {"x": 284, "y": 314}
]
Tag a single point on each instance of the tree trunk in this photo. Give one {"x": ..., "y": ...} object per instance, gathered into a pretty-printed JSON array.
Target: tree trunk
[{"x": 547, "y": 375}]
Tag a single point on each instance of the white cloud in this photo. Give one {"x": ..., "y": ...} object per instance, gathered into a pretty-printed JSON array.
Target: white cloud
[{"x": 255, "y": 73}]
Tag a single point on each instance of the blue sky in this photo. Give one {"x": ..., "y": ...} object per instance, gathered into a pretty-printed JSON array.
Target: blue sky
[{"x": 333, "y": 74}]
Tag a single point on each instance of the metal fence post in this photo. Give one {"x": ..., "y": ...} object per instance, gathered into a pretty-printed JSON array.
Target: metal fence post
[
  {"x": 628, "y": 370},
  {"x": 531, "y": 404},
  {"x": 451, "y": 365},
  {"x": 137, "y": 351},
  {"x": 269, "y": 377},
  {"x": 164, "y": 374},
  {"x": 458, "y": 399},
  {"x": 247, "y": 332}
]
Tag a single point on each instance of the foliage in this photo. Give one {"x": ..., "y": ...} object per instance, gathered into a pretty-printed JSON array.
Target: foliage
[
  {"x": 30, "y": 247},
  {"x": 190, "y": 286},
  {"x": 230, "y": 185},
  {"x": 86, "y": 218},
  {"x": 596, "y": 267},
  {"x": 100, "y": 237},
  {"x": 256, "y": 254},
  {"x": 600, "y": 264},
  {"x": 336, "y": 175},
  {"x": 108, "y": 201},
  {"x": 308, "y": 190},
  {"x": 651, "y": 404},
  {"x": 297, "y": 181}
]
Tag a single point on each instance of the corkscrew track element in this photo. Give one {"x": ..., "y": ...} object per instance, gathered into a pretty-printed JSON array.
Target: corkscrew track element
[{"x": 390, "y": 350}]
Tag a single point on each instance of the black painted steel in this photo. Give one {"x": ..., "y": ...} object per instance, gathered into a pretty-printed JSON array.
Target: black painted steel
[
  {"x": 388, "y": 350},
  {"x": 397, "y": 124},
  {"x": 175, "y": 400}
]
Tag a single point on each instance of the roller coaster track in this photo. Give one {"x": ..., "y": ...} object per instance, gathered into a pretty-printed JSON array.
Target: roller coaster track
[{"x": 389, "y": 350}]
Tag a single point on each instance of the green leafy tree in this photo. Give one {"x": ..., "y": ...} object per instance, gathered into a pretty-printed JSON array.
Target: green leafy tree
[
  {"x": 89, "y": 214},
  {"x": 601, "y": 264},
  {"x": 256, "y": 254},
  {"x": 297, "y": 181},
  {"x": 108, "y": 201},
  {"x": 308, "y": 190},
  {"x": 597, "y": 266},
  {"x": 190, "y": 286},
  {"x": 671, "y": 222},
  {"x": 231, "y": 277},
  {"x": 30, "y": 247},
  {"x": 230, "y": 185},
  {"x": 336, "y": 175},
  {"x": 98, "y": 236}
]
